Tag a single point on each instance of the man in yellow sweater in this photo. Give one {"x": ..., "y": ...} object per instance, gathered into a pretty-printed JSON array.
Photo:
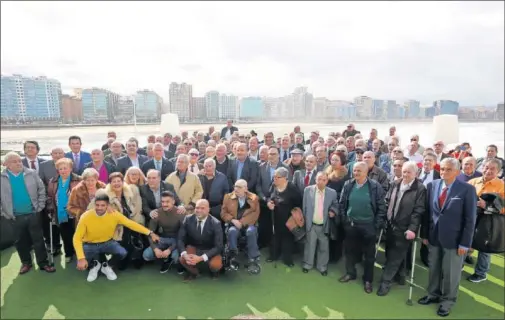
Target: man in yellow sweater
[{"x": 93, "y": 237}]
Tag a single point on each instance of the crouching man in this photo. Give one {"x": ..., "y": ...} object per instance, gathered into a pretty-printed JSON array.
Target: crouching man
[
  {"x": 241, "y": 211},
  {"x": 93, "y": 236},
  {"x": 168, "y": 221},
  {"x": 200, "y": 242}
]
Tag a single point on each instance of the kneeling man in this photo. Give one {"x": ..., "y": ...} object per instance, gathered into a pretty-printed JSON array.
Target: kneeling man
[
  {"x": 93, "y": 237},
  {"x": 200, "y": 240},
  {"x": 241, "y": 211},
  {"x": 168, "y": 221}
]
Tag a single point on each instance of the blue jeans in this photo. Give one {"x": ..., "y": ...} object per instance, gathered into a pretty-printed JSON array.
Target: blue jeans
[
  {"x": 164, "y": 244},
  {"x": 252, "y": 240},
  {"x": 92, "y": 251},
  {"x": 483, "y": 264}
]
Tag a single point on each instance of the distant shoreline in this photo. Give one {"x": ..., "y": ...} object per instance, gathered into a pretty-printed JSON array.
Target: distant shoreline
[{"x": 7, "y": 127}]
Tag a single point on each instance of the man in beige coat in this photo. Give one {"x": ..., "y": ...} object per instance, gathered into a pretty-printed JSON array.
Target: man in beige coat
[{"x": 186, "y": 184}]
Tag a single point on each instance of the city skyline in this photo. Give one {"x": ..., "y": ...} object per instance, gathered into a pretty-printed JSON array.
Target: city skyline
[{"x": 339, "y": 50}]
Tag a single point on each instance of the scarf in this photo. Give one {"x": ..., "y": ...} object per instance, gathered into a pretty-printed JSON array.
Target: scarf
[{"x": 62, "y": 199}]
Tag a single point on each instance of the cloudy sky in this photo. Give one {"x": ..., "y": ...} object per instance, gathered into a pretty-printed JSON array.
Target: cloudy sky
[{"x": 390, "y": 50}]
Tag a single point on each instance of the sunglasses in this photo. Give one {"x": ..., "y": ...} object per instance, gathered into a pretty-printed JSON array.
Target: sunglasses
[
  {"x": 194, "y": 154},
  {"x": 413, "y": 139},
  {"x": 397, "y": 151},
  {"x": 188, "y": 144},
  {"x": 359, "y": 152}
]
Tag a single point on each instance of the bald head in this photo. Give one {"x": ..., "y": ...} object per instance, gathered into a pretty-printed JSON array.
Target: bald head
[{"x": 202, "y": 209}]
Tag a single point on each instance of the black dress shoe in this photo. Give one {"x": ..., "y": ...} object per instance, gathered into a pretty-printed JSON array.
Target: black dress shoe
[
  {"x": 324, "y": 273},
  {"x": 443, "y": 312},
  {"x": 305, "y": 270},
  {"x": 383, "y": 289},
  {"x": 368, "y": 287},
  {"x": 426, "y": 300},
  {"x": 289, "y": 264},
  {"x": 346, "y": 278}
]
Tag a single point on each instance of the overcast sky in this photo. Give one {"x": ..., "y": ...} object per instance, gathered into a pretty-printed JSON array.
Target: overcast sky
[{"x": 390, "y": 50}]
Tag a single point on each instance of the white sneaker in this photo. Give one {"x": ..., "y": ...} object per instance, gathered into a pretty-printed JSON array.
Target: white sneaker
[
  {"x": 93, "y": 272},
  {"x": 108, "y": 272}
]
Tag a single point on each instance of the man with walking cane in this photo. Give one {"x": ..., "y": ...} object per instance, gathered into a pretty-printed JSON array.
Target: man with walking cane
[
  {"x": 406, "y": 203},
  {"x": 448, "y": 227},
  {"x": 362, "y": 205}
]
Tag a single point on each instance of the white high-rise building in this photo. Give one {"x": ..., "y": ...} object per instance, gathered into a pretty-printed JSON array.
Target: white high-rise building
[
  {"x": 212, "y": 104},
  {"x": 228, "y": 107},
  {"x": 364, "y": 107},
  {"x": 181, "y": 100}
]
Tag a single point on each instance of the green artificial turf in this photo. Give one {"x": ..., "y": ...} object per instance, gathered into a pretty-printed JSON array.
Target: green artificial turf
[{"x": 275, "y": 293}]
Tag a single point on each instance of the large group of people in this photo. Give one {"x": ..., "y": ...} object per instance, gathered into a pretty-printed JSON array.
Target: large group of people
[{"x": 181, "y": 199}]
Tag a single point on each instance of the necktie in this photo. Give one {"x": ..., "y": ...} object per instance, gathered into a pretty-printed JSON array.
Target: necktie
[
  {"x": 442, "y": 197},
  {"x": 76, "y": 161},
  {"x": 193, "y": 168},
  {"x": 425, "y": 176},
  {"x": 32, "y": 165},
  {"x": 285, "y": 157},
  {"x": 307, "y": 179},
  {"x": 392, "y": 203},
  {"x": 199, "y": 226}
]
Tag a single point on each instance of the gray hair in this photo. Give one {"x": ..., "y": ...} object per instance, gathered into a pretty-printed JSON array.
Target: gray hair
[
  {"x": 115, "y": 143},
  {"x": 452, "y": 162},
  {"x": 281, "y": 172},
  {"x": 494, "y": 161},
  {"x": 369, "y": 153},
  {"x": 11, "y": 155},
  {"x": 211, "y": 161},
  {"x": 221, "y": 145},
  {"x": 359, "y": 142},
  {"x": 263, "y": 147},
  {"x": 362, "y": 164},
  {"x": 241, "y": 183},
  {"x": 183, "y": 157},
  {"x": 411, "y": 166},
  {"x": 466, "y": 159},
  {"x": 89, "y": 172},
  {"x": 298, "y": 135},
  {"x": 158, "y": 144},
  {"x": 211, "y": 143},
  {"x": 242, "y": 144}
]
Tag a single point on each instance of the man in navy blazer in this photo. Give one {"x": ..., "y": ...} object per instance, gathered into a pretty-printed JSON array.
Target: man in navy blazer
[
  {"x": 79, "y": 157},
  {"x": 159, "y": 162},
  {"x": 243, "y": 167},
  {"x": 132, "y": 158},
  {"x": 447, "y": 229}
]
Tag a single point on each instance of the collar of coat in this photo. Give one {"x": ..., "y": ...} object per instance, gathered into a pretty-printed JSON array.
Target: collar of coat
[
  {"x": 414, "y": 186},
  {"x": 249, "y": 195},
  {"x": 127, "y": 192}
]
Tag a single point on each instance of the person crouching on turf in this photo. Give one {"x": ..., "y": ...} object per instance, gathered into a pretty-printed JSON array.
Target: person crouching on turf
[
  {"x": 200, "y": 242},
  {"x": 93, "y": 237},
  {"x": 168, "y": 221},
  {"x": 241, "y": 211}
]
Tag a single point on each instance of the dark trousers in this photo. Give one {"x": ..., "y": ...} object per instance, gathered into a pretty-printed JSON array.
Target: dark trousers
[
  {"x": 67, "y": 230},
  {"x": 360, "y": 240},
  {"x": 47, "y": 235},
  {"x": 28, "y": 232},
  {"x": 264, "y": 226},
  {"x": 396, "y": 254},
  {"x": 337, "y": 245},
  {"x": 282, "y": 243}
]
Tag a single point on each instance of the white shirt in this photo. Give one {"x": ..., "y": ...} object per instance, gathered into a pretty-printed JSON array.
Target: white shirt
[
  {"x": 388, "y": 139},
  {"x": 416, "y": 157},
  {"x": 194, "y": 168},
  {"x": 227, "y": 135},
  {"x": 439, "y": 157},
  {"x": 204, "y": 256},
  {"x": 426, "y": 178},
  {"x": 135, "y": 162},
  {"x": 35, "y": 161}
]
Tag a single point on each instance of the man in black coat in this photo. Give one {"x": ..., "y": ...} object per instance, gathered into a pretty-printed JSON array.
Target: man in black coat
[
  {"x": 227, "y": 131},
  {"x": 406, "y": 203},
  {"x": 32, "y": 160},
  {"x": 151, "y": 194},
  {"x": 132, "y": 158},
  {"x": 243, "y": 167},
  {"x": 159, "y": 162},
  {"x": 200, "y": 241},
  {"x": 374, "y": 172}
]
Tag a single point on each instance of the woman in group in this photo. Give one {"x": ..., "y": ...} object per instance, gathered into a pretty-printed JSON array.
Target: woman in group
[
  {"x": 337, "y": 176},
  {"x": 135, "y": 178},
  {"x": 83, "y": 193},
  {"x": 123, "y": 200},
  {"x": 58, "y": 194}
]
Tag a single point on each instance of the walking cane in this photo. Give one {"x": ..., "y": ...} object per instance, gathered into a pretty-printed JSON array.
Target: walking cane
[
  {"x": 273, "y": 239},
  {"x": 411, "y": 282},
  {"x": 378, "y": 243},
  {"x": 51, "y": 241}
]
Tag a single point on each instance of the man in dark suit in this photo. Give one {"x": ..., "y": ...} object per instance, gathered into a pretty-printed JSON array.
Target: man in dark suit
[
  {"x": 168, "y": 144},
  {"x": 151, "y": 194},
  {"x": 306, "y": 177},
  {"x": 132, "y": 158},
  {"x": 79, "y": 157},
  {"x": 200, "y": 241},
  {"x": 116, "y": 152},
  {"x": 263, "y": 190},
  {"x": 448, "y": 229},
  {"x": 227, "y": 131},
  {"x": 438, "y": 147},
  {"x": 31, "y": 160},
  {"x": 285, "y": 148},
  {"x": 111, "y": 135},
  {"x": 159, "y": 162},
  {"x": 215, "y": 186},
  {"x": 243, "y": 167}
]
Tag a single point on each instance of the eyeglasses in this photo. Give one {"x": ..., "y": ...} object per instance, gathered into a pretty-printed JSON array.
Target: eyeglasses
[
  {"x": 188, "y": 143},
  {"x": 438, "y": 144},
  {"x": 397, "y": 151},
  {"x": 359, "y": 152},
  {"x": 194, "y": 154},
  {"x": 413, "y": 139}
]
